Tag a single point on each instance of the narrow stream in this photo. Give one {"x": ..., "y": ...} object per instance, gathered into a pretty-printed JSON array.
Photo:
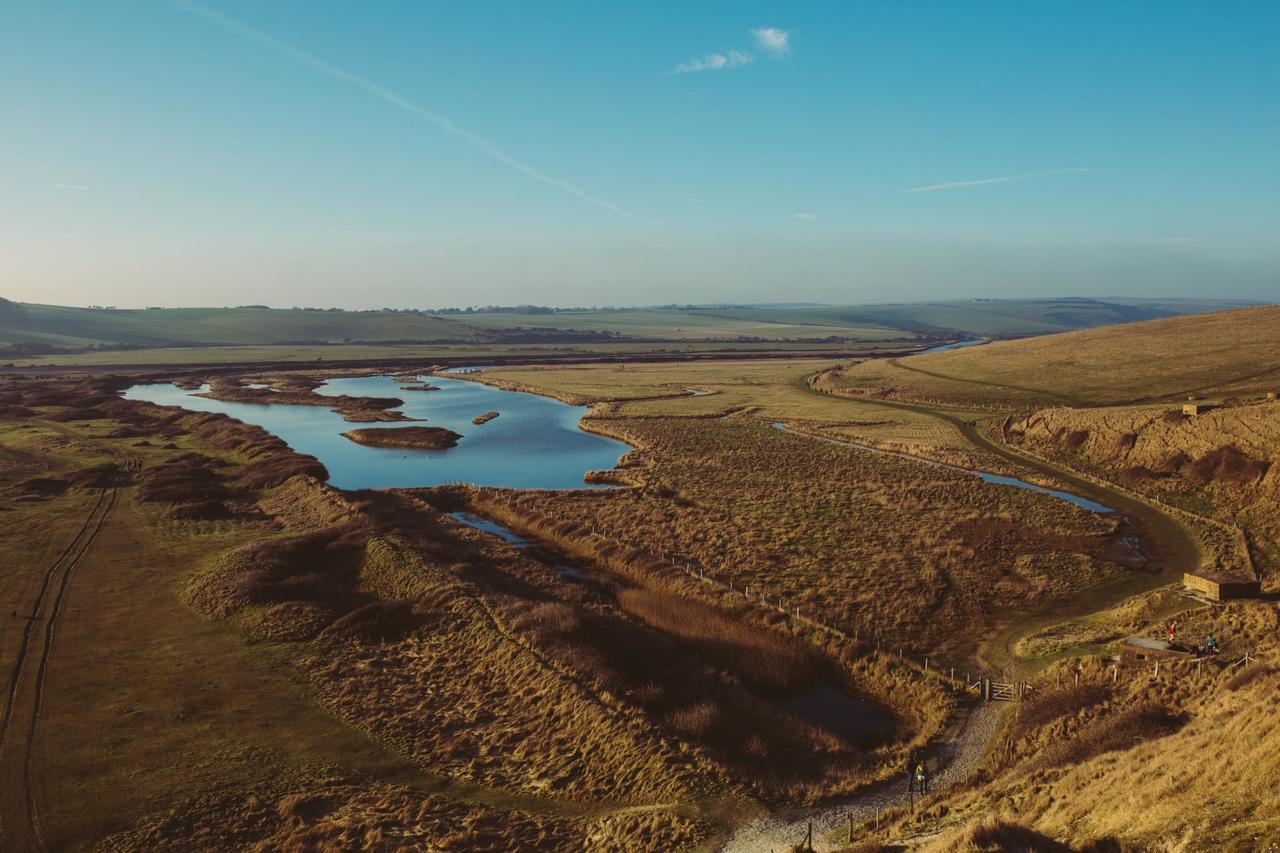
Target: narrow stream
[
  {"x": 986, "y": 476},
  {"x": 953, "y": 345}
]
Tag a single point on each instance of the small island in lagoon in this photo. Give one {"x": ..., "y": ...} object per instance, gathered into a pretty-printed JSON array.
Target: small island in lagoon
[{"x": 414, "y": 438}]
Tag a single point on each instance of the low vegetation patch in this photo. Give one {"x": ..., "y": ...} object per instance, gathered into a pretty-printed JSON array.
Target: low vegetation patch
[{"x": 408, "y": 438}]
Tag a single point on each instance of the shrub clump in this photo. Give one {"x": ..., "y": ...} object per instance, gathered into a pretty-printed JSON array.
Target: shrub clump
[{"x": 1227, "y": 464}]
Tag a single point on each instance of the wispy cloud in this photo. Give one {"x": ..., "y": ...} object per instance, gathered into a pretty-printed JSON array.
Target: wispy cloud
[
  {"x": 1173, "y": 240},
  {"x": 396, "y": 100},
  {"x": 1003, "y": 179},
  {"x": 80, "y": 188},
  {"x": 804, "y": 214},
  {"x": 772, "y": 39},
  {"x": 715, "y": 62}
]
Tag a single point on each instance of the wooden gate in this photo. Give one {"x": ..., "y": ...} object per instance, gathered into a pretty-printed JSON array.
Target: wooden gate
[{"x": 1004, "y": 691}]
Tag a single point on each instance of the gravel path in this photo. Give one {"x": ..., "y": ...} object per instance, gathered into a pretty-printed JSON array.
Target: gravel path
[{"x": 952, "y": 759}]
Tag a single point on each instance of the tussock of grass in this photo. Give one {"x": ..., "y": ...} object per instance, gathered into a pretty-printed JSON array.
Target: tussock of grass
[{"x": 1249, "y": 675}]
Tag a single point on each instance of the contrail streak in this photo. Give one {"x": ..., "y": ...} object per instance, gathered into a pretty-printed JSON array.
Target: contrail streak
[
  {"x": 398, "y": 101},
  {"x": 955, "y": 185}
]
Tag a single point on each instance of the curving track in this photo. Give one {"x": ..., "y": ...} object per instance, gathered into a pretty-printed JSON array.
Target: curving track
[{"x": 20, "y": 827}]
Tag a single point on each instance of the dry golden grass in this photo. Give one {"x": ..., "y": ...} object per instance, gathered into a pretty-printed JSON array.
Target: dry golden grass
[
  {"x": 1129, "y": 758},
  {"x": 914, "y": 555},
  {"x": 1222, "y": 464},
  {"x": 774, "y": 390},
  {"x": 328, "y": 814},
  {"x": 1225, "y": 352}
]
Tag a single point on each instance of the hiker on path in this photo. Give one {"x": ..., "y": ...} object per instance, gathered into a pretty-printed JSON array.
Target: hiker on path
[
  {"x": 911, "y": 773},
  {"x": 1173, "y": 631},
  {"x": 1210, "y": 645},
  {"x": 922, "y": 778}
]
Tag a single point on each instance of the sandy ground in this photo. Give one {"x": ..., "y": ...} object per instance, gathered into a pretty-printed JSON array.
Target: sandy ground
[{"x": 954, "y": 758}]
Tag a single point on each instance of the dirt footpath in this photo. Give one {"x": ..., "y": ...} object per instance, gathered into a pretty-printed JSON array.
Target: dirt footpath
[{"x": 952, "y": 759}]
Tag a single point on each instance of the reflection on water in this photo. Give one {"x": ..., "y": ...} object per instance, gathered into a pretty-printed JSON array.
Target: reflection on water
[{"x": 535, "y": 444}]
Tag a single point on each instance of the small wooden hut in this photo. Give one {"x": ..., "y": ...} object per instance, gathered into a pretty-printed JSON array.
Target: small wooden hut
[{"x": 1221, "y": 586}]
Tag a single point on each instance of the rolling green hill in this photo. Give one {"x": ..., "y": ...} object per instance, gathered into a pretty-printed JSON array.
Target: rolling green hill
[
  {"x": 35, "y": 329},
  {"x": 1007, "y": 317},
  {"x": 1227, "y": 352},
  {"x": 218, "y": 326}
]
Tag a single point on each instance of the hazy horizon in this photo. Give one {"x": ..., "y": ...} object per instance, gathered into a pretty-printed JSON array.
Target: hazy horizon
[
  {"x": 159, "y": 153},
  {"x": 655, "y": 306}
]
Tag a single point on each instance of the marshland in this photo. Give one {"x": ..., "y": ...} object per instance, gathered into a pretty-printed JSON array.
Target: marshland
[
  {"x": 719, "y": 428},
  {"x": 701, "y": 592}
]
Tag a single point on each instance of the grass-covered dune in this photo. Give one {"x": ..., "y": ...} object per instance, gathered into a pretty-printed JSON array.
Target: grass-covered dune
[{"x": 1226, "y": 352}]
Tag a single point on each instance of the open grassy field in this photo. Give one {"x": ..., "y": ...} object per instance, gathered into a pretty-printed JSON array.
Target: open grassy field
[
  {"x": 699, "y": 325},
  {"x": 249, "y": 333},
  {"x": 219, "y": 326},
  {"x": 1231, "y": 352},
  {"x": 1001, "y": 317},
  {"x": 775, "y": 390},
  {"x": 419, "y": 354}
]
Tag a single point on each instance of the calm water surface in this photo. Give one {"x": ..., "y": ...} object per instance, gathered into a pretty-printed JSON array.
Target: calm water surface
[
  {"x": 535, "y": 442},
  {"x": 955, "y": 345}
]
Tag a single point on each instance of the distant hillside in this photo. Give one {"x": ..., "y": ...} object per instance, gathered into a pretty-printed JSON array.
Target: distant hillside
[
  {"x": 1007, "y": 318},
  {"x": 78, "y": 327},
  {"x": 1224, "y": 352},
  {"x": 35, "y": 329}
]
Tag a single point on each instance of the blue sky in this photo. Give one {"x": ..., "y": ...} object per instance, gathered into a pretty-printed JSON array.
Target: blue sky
[{"x": 421, "y": 153}]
